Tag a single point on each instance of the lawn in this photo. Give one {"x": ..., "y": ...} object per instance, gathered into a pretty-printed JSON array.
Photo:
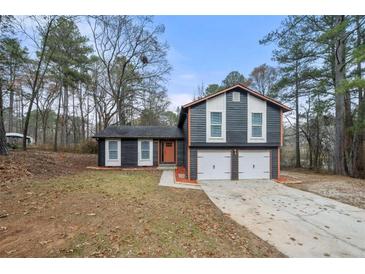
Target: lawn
[{"x": 115, "y": 214}]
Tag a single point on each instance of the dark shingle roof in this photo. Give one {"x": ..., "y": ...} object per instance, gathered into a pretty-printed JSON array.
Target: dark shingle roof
[{"x": 140, "y": 132}]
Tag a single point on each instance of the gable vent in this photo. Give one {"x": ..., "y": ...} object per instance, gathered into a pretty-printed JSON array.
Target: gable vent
[{"x": 235, "y": 96}]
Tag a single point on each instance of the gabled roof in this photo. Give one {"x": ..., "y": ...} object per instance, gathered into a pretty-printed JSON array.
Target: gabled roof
[
  {"x": 244, "y": 87},
  {"x": 140, "y": 132}
]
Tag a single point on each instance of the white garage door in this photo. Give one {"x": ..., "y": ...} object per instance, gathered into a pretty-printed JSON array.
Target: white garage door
[
  {"x": 254, "y": 164},
  {"x": 214, "y": 165}
]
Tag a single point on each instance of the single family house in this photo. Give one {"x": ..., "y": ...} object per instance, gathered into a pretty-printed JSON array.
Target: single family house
[{"x": 233, "y": 134}]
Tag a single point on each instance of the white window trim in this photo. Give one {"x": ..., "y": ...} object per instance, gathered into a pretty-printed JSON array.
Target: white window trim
[
  {"x": 257, "y": 125},
  {"x": 211, "y": 124},
  {"x": 255, "y": 105},
  {"x": 216, "y": 104},
  {"x": 112, "y": 162},
  {"x": 145, "y": 162}
]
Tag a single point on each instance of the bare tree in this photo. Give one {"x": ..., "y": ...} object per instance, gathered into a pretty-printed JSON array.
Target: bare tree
[
  {"x": 47, "y": 96},
  {"x": 130, "y": 52},
  {"x": 3, "y": 147},
  {"x": 5, "y": 25},
  {"x": 40, "y": 36},
  {"x": 263, "y": 79}
]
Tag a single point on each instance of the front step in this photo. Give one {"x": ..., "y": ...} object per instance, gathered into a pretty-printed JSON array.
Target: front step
[{"x": 167, "y": 167}]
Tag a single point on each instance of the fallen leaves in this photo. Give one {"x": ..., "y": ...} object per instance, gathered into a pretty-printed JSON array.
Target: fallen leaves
[
  {"x": 42, "y": 243},
  {"x": 19, "y": 165},
  {"x": 4, "y": 215},
  {"x": 117, "y": 214},
  {"x": 10, "y": 252}
]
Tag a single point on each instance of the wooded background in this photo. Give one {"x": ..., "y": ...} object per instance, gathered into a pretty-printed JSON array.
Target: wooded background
[{"x": 61, "y": 86}]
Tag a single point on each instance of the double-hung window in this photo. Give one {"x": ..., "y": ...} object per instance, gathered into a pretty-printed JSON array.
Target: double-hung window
[
  {"x": 216, "y": 124},
  {"x": 256, "y": 124},
  {"x": 113, "y": 150},
  {"x": 145, "y": 150}
]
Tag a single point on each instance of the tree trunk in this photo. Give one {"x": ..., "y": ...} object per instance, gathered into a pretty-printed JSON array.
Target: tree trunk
[
  {"x": 297, "y": 139},
  {"x": 120, "y": 114},
  {"x": 348, "y": 141},
  {"x": 3, "y": 146},
  {"x": 36, "y": 122},
  {"x": 358, "y": 157},
  {"x": 73, "y": 119},
  {"x": 11, "y": 110},
  {"x": 96, "y": 120},
  {"x": 87, "y": 117},
  {"x": 35, "y": 83},
  {"x": 44, "y": 126},
  {"x": 21, "y": 110},
  {"x": 340, "y": 102},
  {"x": 318, "y": 145},
  {"x": 55, "y": 144},
  {"x": 65, "y": 117},
  {"x": 81, "y": 113}
]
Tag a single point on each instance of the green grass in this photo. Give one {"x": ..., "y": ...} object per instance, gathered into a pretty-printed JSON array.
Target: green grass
[{"x": 132, "y": 185}]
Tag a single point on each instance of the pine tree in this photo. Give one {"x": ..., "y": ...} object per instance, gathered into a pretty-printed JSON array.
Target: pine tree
[{"x": 295, "y": 71}]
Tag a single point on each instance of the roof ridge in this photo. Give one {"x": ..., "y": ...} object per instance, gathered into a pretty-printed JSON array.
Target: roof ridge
[{"x": 242, "y": 86}]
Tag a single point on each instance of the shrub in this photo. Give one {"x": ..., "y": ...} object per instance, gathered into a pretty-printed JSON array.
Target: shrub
[
  {"x": 88, "y": 146},
  {"x": 13, "y": 145}
]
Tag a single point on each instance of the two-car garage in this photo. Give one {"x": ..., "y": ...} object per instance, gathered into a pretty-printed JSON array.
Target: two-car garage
[{"x": 233, "y": 164}]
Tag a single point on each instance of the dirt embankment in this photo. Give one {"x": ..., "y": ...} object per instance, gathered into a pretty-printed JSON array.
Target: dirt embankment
[{"x": 41, "y": 164}]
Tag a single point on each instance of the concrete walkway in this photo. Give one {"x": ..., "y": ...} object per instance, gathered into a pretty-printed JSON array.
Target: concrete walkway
[
  {"x": 168, "y": 179},
  {"x": 298, "y": 223}
]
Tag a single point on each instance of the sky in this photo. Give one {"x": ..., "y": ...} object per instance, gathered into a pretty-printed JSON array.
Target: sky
[{"x": 204, "y": 49}]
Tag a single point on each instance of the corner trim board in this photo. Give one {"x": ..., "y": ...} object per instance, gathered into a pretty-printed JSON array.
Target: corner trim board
[
  {"x": 281, "y": 128},
  {"x": 278, "y": 162},
  {"x": 189, "y": 144}
]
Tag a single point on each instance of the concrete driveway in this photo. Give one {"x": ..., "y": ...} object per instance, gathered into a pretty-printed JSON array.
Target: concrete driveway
[{"x": 298, "y": 223}]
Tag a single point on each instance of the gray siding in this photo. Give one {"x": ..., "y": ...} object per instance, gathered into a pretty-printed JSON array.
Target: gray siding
[
  {"x": 180, "y": 153},
  {"x": 101, "y": 152},
  {"x": 236, "y": 124},
  {"x": 198, "y": 123},
  {"x": 274, "y": 163},
  {"x": 155, "y": 152},
  {"x": 236, "y": 119},
  {"x": 129, "y": 150},
  {"x": 193, "y": 163},
  {"x": 273, "y": 126},
  {"x": 234, "y": 164}
]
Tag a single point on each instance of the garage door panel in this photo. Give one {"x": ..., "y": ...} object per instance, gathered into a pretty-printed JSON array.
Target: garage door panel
[
  {"x": 254, "y": 165},
  {"x": 214, "y": 165}
]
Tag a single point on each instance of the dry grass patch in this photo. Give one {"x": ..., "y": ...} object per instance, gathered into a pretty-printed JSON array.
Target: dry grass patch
[{"x": 341, "y": 188}]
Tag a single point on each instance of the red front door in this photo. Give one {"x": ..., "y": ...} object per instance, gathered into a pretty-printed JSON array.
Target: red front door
[{"x": 168, "y": 152}]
